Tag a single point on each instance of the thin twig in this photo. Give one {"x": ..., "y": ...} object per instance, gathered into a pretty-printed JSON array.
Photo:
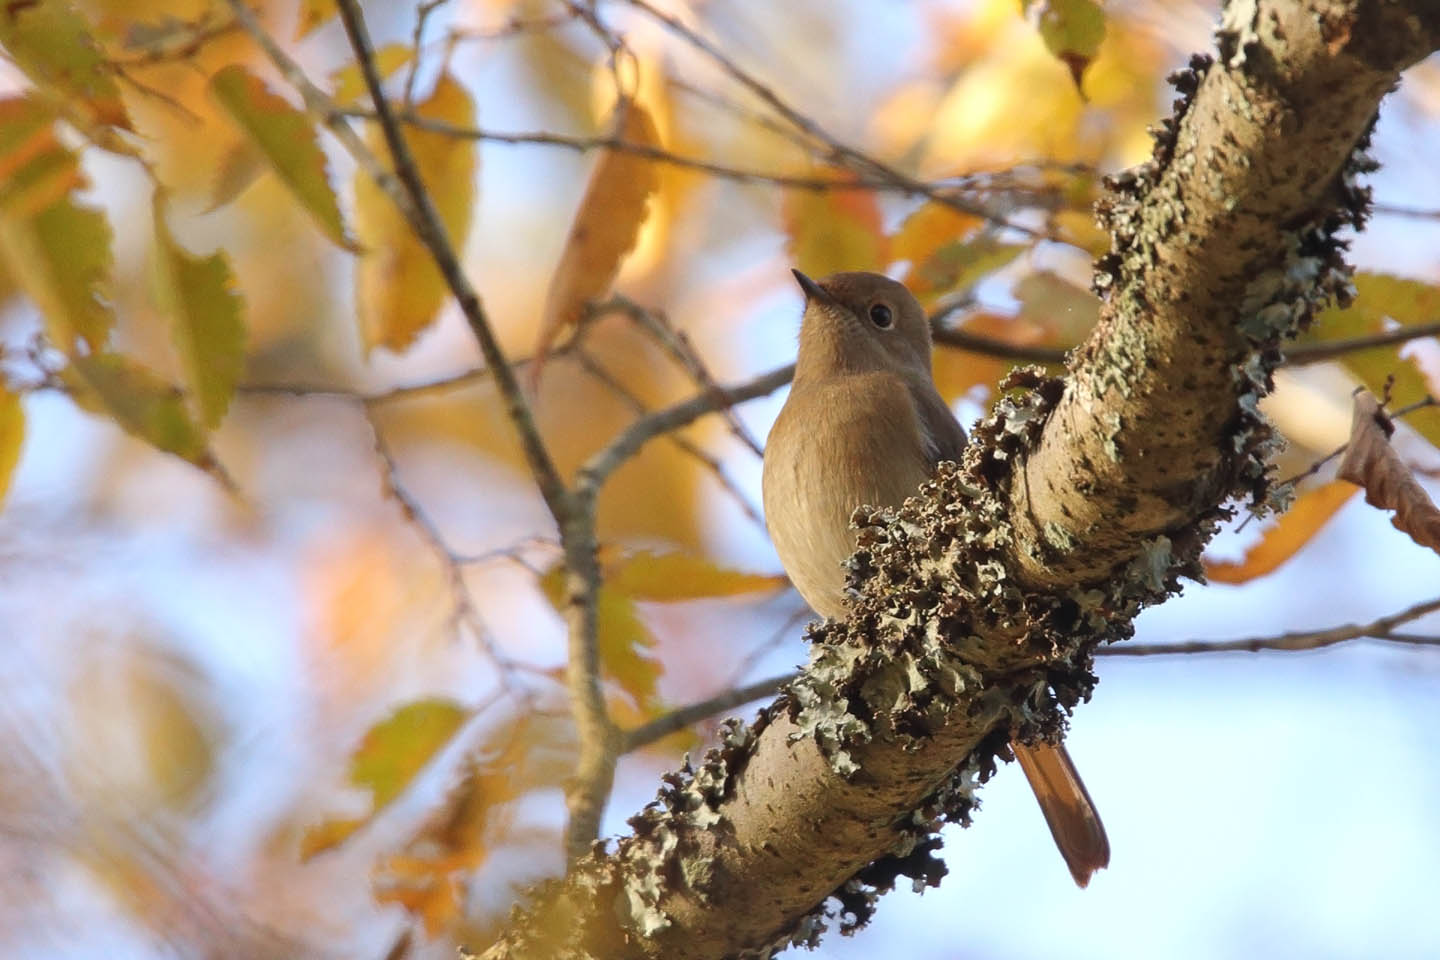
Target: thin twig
[
  {"x": 597, "y": 370},
  {"x": 573, "y": 514},
  {"x": 1304, "y": 353},
  {"x": 599, "y": 467},
  {"x": 1314, "y": 468},
  {"x": 1381, "y": 629},
  {"x": 675, "y": 720},
  {"x": 838, "y": 151},
  {"x": 422, "y": 17}
]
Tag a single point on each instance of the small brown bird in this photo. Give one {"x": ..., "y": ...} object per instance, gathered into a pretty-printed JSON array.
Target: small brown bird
[{"x": 864, "y": 424}]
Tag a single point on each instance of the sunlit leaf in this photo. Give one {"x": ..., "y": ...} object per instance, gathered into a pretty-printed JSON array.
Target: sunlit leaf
[
  {"x": 287, "y": 139},
  {"x": 398, "y": 747},
  {"x": 144, "y": 724},
  {"x": 1310, "y": 511},
  {"x": 398, "y": 289},
  {"x": 833, "y": 230},
  {"x": 929, "y": 228},
  {"x": 1072, "y": 31},
  {"x": 427, "y": 890},
  {"x": 208, "y": 331},
  {"x": 1389, "y": 484},
  {"x": 60, "y": 257},
  {"x": 51, "y": 42},
  {"x": 328, "y": 835},
  {"x": 682, "y": 576},
  {"x": 604, "y": 229},
  {"x": 36, "y": 169},
  {"x": 140, "y": 402},
  {"x": 348, "y": 83},
  {"x": 12, "y": 437},
  {"x": 621, "y": 636},
  {"x": 390, "y": 756},
  {"x": 313, "y": 14},
  {"x": 960, "y": 265},
  {"x": 1381, "y": 298},
  {"x": 240, "y": 167}
]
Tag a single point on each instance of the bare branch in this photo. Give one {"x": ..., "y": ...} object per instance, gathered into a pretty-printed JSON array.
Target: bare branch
[
  {"x": 1306, "y": 353},
  {"x": 1381, "y": 629},
  {"x": 676, "y": 720}
]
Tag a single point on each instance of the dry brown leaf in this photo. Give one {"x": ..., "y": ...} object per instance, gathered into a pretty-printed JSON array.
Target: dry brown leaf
[
  {"x": 603, "y": 232},
  {"x": 1310, "y": 511},
  {"x": 1372, "y": 463}
]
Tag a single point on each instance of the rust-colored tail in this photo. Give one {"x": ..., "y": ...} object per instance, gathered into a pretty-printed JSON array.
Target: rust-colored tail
[{"x": 1068, "y": 809}]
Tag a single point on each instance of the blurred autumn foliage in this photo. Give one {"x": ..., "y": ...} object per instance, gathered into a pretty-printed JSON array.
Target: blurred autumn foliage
[{"x": 196, "y": 253}]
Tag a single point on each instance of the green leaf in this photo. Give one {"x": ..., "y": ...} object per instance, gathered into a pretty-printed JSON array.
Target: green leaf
[
  {"x": 60, "y": 256},
  {"x": 833, "y": 230},
  {"x": 287, "y": 139},
  {"x": 398, "y": 747},
  {"x": 399, "y": 291},
  {"x": 666, "y": 577},
  {"x": 1382, "y": 297},
  {"x": 1072, "y": 30},
  {"x": 348, "y": 83},
  {"x": 51, "y": 42},
  {"x": 208, "y": 330},
  {"x": 12, "y": 437},
  {"x": 142, "y": 404}
]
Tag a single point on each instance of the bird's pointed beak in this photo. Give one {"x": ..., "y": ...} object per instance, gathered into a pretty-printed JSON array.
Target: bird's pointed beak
[{"x": 813, "y": 290}]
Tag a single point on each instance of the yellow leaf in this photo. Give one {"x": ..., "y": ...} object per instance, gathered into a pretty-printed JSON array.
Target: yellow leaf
[
  {"x": 143, "y": 724},
  {"x": 620, "y": 637},
  {"x": 1072, "y": 31},
  {"x": 36, "y": 170},
  {"x": 287, "y": 139},
  {"x": 140, "y": 402},
  {"x": 209, "y": 333},
  {"x": 328, "y": 835},
  {"x": 60, "y": 256},
  {"x": 398, "y": 289},
  {"x": 349, "y": 82},
  {"x": 313, "y": 13},
  {"x": 1293, "y": 530},
  {"x": 398, "y": 747},
  {"x": 241, "y": 166},
  {"x": 668, "y": 577},
  {"x": 929, "y": 228},
  {"x": 833, "y": 230},
  {"x": 1381, "y": 298},
  {"x": 12, "y": 437},
  {"x": 604, "y": 229},
  {"x": 51, "y": 42}
]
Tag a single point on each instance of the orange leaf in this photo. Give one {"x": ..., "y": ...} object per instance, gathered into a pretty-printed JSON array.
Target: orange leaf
[
  {"x": 833, "y": 230},
  {"x": 1306, "y": 516},
  {"x": 603, "y": 232},
  {"x": 1371, "y": 462}
]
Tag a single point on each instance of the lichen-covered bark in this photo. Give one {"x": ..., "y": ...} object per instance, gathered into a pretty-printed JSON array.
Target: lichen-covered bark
[{"x": 1079, "y": 501}]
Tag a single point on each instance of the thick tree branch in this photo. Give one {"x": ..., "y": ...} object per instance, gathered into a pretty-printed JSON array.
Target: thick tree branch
[{"x": 980, "y": 602}]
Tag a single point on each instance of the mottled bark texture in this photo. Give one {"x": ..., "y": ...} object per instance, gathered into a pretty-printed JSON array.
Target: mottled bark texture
[{"x": 1079, "y": 501}]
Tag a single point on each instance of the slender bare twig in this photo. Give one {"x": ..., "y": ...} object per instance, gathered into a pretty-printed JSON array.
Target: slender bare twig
[
  {"x": 675, "y": 720},
  {"x": 597, "y": 370},
  {"x": 838, "y": 151},
  {"x": 422, "y": 17},
  {"x": 1314, "y": 468},
  {"x": 573, "y": 514},
  {"x": 599, "y": 467},
  {"x": 990, "y": 347},
  {"x": 1304, "y": 353},
  {"x": 1381, "y": 629},
  {"x": 1396, "y": 210}
]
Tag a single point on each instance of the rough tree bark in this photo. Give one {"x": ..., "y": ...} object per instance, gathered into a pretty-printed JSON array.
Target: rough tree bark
[{"x": 1080, "y": 500}]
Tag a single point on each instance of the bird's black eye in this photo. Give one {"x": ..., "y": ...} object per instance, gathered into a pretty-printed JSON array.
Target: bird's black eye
[{"x": 880, "y": 316}]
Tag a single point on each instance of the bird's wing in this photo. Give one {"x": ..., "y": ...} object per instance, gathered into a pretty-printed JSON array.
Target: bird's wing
[{"x": 945, "y": 435}]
